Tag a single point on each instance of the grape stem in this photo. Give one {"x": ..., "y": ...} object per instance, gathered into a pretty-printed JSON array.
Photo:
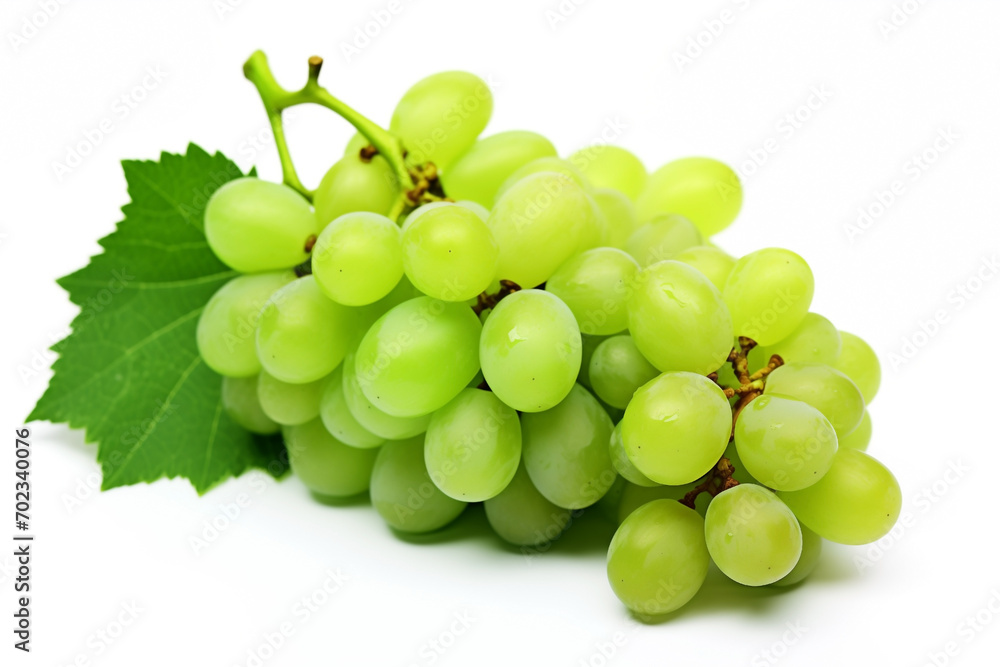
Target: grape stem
[
  {"x": 276, "y": 99},
  {"x": 486, "y": 301},
  {"x": 719, "y": 479}
]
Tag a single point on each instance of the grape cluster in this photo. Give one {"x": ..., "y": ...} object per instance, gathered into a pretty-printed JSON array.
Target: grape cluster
[{"x": 544, "y": 335}]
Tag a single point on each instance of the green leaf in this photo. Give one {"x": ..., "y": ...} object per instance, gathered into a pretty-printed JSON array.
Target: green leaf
[{"x": 130, "y": 373}]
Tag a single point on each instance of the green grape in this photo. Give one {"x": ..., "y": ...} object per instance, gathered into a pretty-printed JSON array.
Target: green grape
[
  {"x": 635, "y": 496},
  {"x": 812, "y": 548},
  {"x": 594, "y": 231},
  {"x": 530, "y": 350},
  {"x": 768, "y": 293},
  {"x": 607, "y": 506},
  {"x": 619, "y": 215},
  {"x": 816, "y": 340},
  {"x": 595, "y": 285},
  {"x": 448, "y": 252},
  {"x": 676, "y": 427},
  {"x": 617, "y": 369},
  {"x": 289, "y": 404},
  {"x": 228, "y": 322},
  {"x": 705, "y": 191},
  {"x": 786, "y": 444},
  {"x": 587, "y": 346},
  {"x": 537, "y": 223},
  {"x": 859, "y": 362},
  {"x": 828, "y": 390},
  {"x": 481, "y": 211},
  {"x": 353, "y": 185},
  {"x": 546, "y": 165},
  {"x": 358, "y": 258},
  {"x": 326, "y": 465},
  {"x": 356, "y": 143},
  {"x": 740, "y": 472},
  {"x": 402, "y": 292},
  {"x": 370, "y": 417},
  {"x": 337, "y": 417},
  {"x": 621, "y": 462},
  {"x": 440, "y": 117},
  {"x": 478, "y": 174},
  {"x": 418, "y": 356},
  {"x": 714, "y": 264},
  {"x": 473, "y": 446},
  {"x": 860, "y": 437},
  {"x": 612, "y": 167},
  {"x": 522, "y": 516},
  {"x": 403, "y": 493},
  {"x": 254, "y": 225},
  {"x": 662, "y": 238},
  {"x": 566, "y": 450},
  {"x": 302, "y": 335},
  {"x": 752, "y": 536},
  {"x": 239, "y": 400},
  {"x": 856, "y": 502},
  {"x": 678, "y": 319},
  {"x": 658, "y": 560}
]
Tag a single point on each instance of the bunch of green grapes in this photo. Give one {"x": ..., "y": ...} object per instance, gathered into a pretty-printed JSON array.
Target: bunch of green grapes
[{"x": 546, "y": 335}]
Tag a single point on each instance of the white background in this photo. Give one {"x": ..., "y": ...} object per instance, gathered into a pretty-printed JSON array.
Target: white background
[{"x": 887, "y": 95}]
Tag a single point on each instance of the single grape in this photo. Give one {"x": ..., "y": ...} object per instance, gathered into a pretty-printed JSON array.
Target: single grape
[
  {"x": 546, "y": 165},
  {"x": 448, "y": 252},
  {"x": 705, "y": 191},
  {"x": 815, "y": 340},
  {"x": 786, "y": 444},
  {"x": 662, "y": 238},
  {"x": 402, "y": 292},
  {"x": 676, "y": 427},
  {"x": 714, "y": 264},
  {"x": 537, "y": 223},
  {"x": 658, "y": 560},
  {"x": 856, "y": 502},
  {"x": 418, "y": 356},
  {"x": 337, "y": 417},
  {"x": 678, "y": 319},
  {"x": 530, "y": 350},
  {"x": 752, "y": 536},
  {"x": 480, "y": 171},
  {"x": 587, "y": 346},
  {"x": 768, "y": 293},
  {"x": 522, "y": 516},
  {"x": 860, "y": 437},
  {"x": 595, "y": 285},
  {"x": 254, "y": 225},
  {"x": 473, "y": 446},
  {"x": 370, "y": 417},
  {"x": 859, "y": 362},
  {"x": 617, "y": 369},
  {"x": 403, "y": 493},
  {"x": 440, "y": 117},
  {"x": 353, "y": 185},
  {"x": 239, "y": 400},
  {"x": 289, "y": 404},
  {"x": 812, "y": 548},
  {"x": 621, "y": 462},
  {"x": 828, "y": 390},
  {"x": 226, "y": 327},
  {"x": 566, "y": 450},
  {"x": 326, "y": 465},
  {"x": 358, "y": 258},
  {"x": 302, "y": 335},
  {"x": 614, "y": 167},
  {"x": 619, "y": 215}
]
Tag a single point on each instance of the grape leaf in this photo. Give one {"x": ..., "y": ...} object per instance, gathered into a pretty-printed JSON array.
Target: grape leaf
[{"x": 130, "y": 372}]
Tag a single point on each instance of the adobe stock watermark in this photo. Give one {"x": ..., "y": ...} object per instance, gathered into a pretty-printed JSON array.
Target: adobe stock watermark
[
  {"x": 223, "y": 8},
  {"x": 437, "y": 646},
  {"x": 966, "y": 631},
  {"x": 960, "y": 296},
  {"x": 606, "y": 651},
  {"x": 33, "y": 23},
  {"x": 103, "y": 638},
  {"x": 301, "y": 612},
  {"x": 923, "y": 502},
  {"x": 780, "y": 648},
  {"x": 898, "y": 17},
  {"x": 785, "y": 128},
  {"x": 377, "y": 22},
  {"x": 561, "y": 12},
  {"x": 229, "y": 513},
  {"x": 913, "y": 169},
  {"x": 711, "y": 29},
  {"x": 123, "y": 106}
]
